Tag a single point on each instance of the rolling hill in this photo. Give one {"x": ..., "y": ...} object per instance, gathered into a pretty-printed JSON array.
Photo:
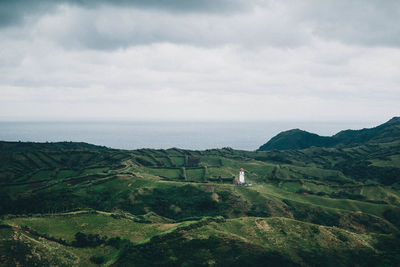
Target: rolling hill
[{"x": 76, "y": 204}]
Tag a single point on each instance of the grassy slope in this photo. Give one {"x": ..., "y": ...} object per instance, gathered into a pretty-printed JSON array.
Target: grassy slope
[
  {"x": 292, "y": 240},
  {"x": 299, "y": 199}
]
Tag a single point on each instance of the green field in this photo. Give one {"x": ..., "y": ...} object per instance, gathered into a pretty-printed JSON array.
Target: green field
[
  {"x": 167, "y": 173},
  {"x": 195, "y": 174},
  {"x": 75, "y": 204}
]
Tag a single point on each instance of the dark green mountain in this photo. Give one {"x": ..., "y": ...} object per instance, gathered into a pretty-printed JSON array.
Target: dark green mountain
[{"x": 298, "y": 139}]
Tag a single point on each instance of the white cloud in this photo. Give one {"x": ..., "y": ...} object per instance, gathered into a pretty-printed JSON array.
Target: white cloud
[{"x": 365, "y": 22}]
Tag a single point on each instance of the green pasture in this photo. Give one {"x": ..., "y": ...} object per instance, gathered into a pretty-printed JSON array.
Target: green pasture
[
  {"x": 67, "y": 226},
  {"x": 166, "y": 172},
  {"x": 178, "y": 161},
  {"x": 195, "y": 174},
  {"x": 326, "y": 202}
]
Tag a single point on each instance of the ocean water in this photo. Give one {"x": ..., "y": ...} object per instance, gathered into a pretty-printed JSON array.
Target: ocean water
[{"x": 186, "y": 135}]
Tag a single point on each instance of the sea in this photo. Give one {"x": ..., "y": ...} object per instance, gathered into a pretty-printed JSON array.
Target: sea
[{"x": 162, "y": 135}]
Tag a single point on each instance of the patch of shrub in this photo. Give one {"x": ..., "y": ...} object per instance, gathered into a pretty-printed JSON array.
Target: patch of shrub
[
  {"x": 97, "y": 259},
  {"x": 144, "y": 162},
  {"x": 88, "y": 240},
  {"x": 315, "y": 229},
  {"x": 312, "y": 214},
  {"x": 192, "y": 200},
  {"x": 193, "y": 161},
  {"x": 274, "y": 158},
  {"x": 393, "y": 216},
  {"x": 304, "y": 191}
]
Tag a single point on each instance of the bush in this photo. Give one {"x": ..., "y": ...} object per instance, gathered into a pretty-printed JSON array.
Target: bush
[
  {"x": 144, "y": 162},
  {"x": 192, "y": 200},
  {"x": 193, "y": 161},
  {"x": 97, "y": 259},
  {"x": 393, "y": 216},
  {"x": 114, "y": 242},
  {"x": 304, "y": 191},
  {"x": 83, "y": 240}
]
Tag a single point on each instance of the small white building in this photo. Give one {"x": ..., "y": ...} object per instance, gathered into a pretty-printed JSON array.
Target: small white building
[{"x": 241, "y": 176}]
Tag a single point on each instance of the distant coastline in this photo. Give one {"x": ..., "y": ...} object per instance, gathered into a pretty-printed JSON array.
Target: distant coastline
[{"x": 185, "y": 135}]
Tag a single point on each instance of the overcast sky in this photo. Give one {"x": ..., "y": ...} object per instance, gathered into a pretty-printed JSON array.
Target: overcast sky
[{"x": 312, "y": 60}]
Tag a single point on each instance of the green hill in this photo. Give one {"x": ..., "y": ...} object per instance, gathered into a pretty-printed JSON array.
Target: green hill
[
  {"x": 76, "y": 204},
  {"x": 298, "y": 139}
]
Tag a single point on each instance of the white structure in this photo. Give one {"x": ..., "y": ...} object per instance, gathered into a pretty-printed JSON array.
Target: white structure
[{"x": 241, "y": 176}]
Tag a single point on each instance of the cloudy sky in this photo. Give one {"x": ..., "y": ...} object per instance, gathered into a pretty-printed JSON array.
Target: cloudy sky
[{"x": 312, "y": 60}]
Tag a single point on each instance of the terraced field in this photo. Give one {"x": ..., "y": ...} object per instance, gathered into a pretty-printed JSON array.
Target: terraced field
[{"x": 74, "y": 204}]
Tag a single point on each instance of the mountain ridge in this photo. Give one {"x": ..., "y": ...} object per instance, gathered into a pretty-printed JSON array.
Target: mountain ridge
[{"x": 300, "y": 139}]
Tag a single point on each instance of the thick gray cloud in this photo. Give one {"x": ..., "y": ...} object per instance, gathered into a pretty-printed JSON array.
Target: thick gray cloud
[
  {"x": 108, "y": 24},
  {"x": 14, "y": 11},
  {"x": 247, "y": 60},
  {"x": 77, "y": 28}
]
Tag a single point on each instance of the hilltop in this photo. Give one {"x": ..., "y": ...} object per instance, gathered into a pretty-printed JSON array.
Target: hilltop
[
  {"x": 298, "y": 139},
  {"x": 76, "y": 204}
]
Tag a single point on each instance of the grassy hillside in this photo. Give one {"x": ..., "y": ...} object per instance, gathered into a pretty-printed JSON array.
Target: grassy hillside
[
  {"x": 204, "y": 242},
  {"x": 71, "y": 204}
]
